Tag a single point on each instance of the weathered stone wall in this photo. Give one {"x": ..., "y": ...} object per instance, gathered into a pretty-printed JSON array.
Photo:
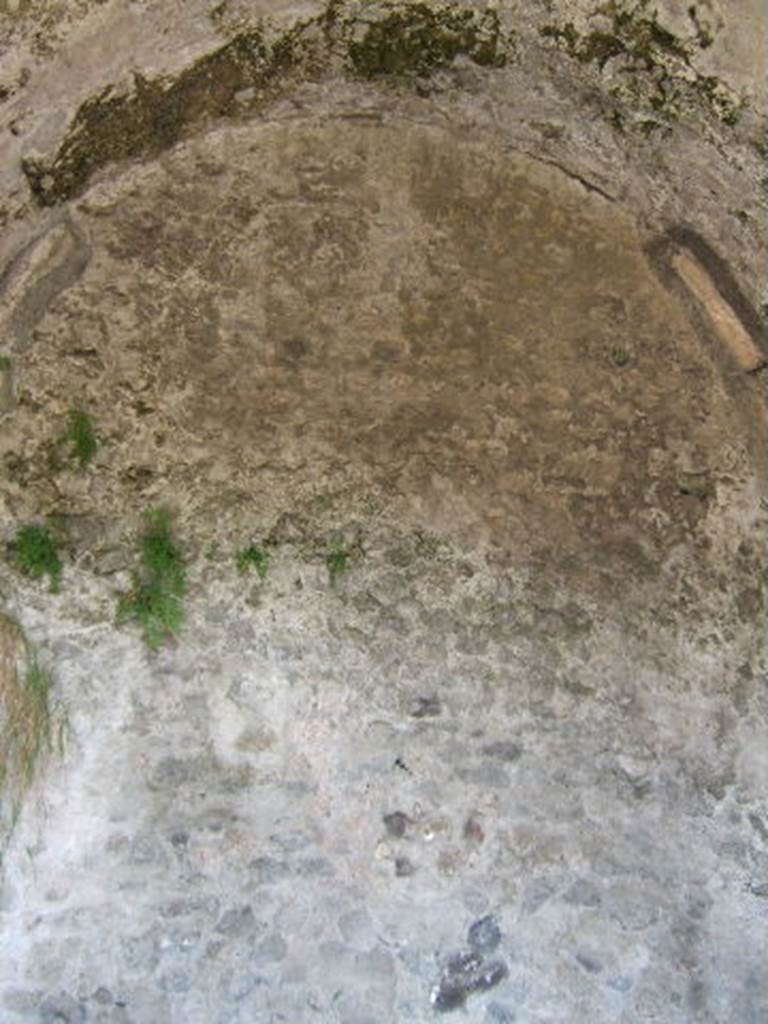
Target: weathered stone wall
[{"x": 454, "y": 314}]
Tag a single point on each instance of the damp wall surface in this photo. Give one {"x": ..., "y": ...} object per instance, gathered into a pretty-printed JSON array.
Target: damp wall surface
[{"x": 438, "y": 334}]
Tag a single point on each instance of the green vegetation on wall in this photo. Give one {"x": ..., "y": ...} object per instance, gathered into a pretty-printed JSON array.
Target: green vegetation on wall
[
  {"x": 338, "y": 560},
  {"x": 156, "y": 601},
  {"x": 81, "y": 436},
  {"x": 253, "y": 557},
  {"x": 36, "y": 553}
]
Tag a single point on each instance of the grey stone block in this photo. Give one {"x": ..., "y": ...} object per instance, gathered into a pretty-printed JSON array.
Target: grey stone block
[
  {"x": 62, "y": 1009},
  {"x": 484, "y": 935}
]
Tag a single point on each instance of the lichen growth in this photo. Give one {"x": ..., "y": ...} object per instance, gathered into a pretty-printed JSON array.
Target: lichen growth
[
  {"x": 632, "y": 33},
  {"x": 417, "y": 39},
  {"x": 654, "y": 53},
  {"x": 411, "y": 39},
  {"x": 151, "y": 118}
]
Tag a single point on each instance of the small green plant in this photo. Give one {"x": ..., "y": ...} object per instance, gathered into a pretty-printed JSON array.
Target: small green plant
[
  {"x": 36, "y": 553},
  {"x": 5, "y": 364},
  {"x": 156, "y": 601},
  {"x": 81, "y": 436},
  {"x": 253, "y": 557},
  {"x": 338, "y": 559},
  {"x": 620, "y": 356}
]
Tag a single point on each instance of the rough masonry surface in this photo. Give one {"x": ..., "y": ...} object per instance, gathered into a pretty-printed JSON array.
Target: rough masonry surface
[{"x": 486, "y": 737}]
